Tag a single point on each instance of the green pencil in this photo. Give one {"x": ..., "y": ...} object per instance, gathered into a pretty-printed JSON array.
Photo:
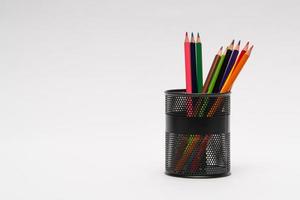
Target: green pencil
[
  {"x": 199, "y": 64},
  {"x": 212, "y": 83},
  {"x": 216, "y": 74},
  {"x": 218, "y": 60},
  {"x": 205, "y": 103}
]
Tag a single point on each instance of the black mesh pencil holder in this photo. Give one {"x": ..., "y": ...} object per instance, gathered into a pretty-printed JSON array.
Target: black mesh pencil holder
[{"x": 197, "y": 134}]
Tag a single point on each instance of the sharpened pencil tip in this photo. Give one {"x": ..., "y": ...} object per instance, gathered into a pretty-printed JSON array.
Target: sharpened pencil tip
[
  {"x": 246, "y": 46},
  {"x": 220, "y": 51},
  {"x": 186, "y": 37},
  {"x": 231, "y": 45},
  {"x": 192, "y": 37},
  {"x": 249, "y": 51},
  {"x": 237, "y": 47},
  {"x": 198, "y": 38}
]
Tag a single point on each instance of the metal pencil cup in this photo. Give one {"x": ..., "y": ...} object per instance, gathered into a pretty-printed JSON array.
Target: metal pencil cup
[{"x": 197, "y": 134}]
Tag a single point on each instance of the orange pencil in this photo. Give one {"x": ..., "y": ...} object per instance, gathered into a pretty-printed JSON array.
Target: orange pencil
[
  {"x": 230, "y": 80},
  {"x": 242, "y": 52},
  {"x": 226, "y": 88},
  {"x": 234, "y": 73},
  {"x": 187, "y": 152},
  {"x": 241, "y": 55}
]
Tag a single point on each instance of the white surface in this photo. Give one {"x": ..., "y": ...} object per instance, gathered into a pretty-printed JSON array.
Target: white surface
[{"x": 82, "y": 103}]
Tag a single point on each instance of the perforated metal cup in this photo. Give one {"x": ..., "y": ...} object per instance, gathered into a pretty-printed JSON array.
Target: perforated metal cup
[{"x": 197, "y": 134}]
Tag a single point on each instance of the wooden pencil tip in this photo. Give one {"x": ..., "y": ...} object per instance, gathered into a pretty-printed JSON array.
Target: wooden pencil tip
[
  {"x": 231, "y": 45},
  {"x": 198, "y": 38},
  {"x": 246, "y": 46},
  {"x": 251, "y": 47},
  {"x": 186, "y": 37},
  {"x": 237, "y": 47},
  {"x": 249, "y": 51},
  {"x": 220, "y": 51},
  {"x": 192, "y": 37}
]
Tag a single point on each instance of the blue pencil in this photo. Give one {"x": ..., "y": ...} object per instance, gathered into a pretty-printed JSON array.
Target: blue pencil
[{"x": 230, "y": 64}]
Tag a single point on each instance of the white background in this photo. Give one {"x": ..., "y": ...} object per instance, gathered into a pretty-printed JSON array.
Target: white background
[{"x": 82, "y": 102}]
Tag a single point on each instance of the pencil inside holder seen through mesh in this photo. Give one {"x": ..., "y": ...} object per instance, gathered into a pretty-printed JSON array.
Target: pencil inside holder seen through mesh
[{"x": 197, "y": 134}]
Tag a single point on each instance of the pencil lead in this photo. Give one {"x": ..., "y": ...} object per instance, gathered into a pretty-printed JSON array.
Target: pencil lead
[
  {"x": 239, "y": 43},
  {"x": 198, "y": 38},
  {"x": 232, "y": 43},
  {"x": 186, "y": 37}
]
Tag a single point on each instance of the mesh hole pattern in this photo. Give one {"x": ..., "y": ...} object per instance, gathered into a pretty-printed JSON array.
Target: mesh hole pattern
[{"x": 195, "y": 154}]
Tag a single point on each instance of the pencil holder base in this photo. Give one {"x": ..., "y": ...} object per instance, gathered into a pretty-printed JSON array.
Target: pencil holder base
[{"x": 200, "y": 177}]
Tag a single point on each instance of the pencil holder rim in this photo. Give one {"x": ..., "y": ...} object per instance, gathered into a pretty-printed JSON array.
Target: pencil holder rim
[{"x": 182, "y": 92}]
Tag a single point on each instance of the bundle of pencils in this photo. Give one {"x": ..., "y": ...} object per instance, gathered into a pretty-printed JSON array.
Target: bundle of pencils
[{"x": 224, "y": 70}]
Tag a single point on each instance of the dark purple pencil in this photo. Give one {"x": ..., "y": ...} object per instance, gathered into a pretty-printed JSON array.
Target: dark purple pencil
[{"x": 230, "y": 64}]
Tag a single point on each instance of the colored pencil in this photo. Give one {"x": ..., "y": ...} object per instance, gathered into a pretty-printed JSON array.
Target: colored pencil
[
  {"x": 230, "y": 64},
  {"x": 194, "y": 158},
  {"x": 196, "y": 162},
  {"x": 232, "y": 76},
  {"x": 241, "y": 55},
  {"x": 226, "y": 88},
  {"x": 192, "y": 142},
  {"x": 223, "y": 72},
  {"x": 193, "y": 65},
  {"x": 242, "y": 52},
  {"x": 212, "y": 83},
  {"x": 188, "y": 71},
  {"x": 223, "y": 67},
  {"x": 189, "y": 155},
  {"x": 212, "y": 71},
  {"x": 216, "y": 74},
  {"x": 190, "y": 66},
  {"x": 199, "y": 64}
]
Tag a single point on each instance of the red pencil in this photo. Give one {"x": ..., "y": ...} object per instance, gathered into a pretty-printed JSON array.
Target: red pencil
[
  {"x": 240, "y": 57},
  {"x": 242, "y": 53},
  {"x": 187, "y": 55}
]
